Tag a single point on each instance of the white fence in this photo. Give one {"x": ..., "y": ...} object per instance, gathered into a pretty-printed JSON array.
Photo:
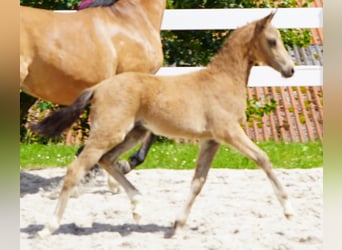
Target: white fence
[{"x": 218, "y": 19}]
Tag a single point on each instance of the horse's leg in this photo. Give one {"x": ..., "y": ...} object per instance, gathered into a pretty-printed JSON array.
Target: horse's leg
[
  {"x": 135, "y": 136},
  {"x": 132, "y": 192},
  {"x": 138, "y": 157},
  {"x": 240, "y": 141},
  {"x": 100, "y": 141},
  {"x": 135, "y": 159},
  {"x": 108, "y": 162},
  {"x": 93, "y": 170},
  {"x": 89, "y": 156},
  {"x": 208, "y": 149},
  {"x": 124, "y": 166}
]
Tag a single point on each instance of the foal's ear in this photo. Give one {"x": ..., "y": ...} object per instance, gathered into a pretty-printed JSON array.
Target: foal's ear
[{"x": 260, "y": 25}]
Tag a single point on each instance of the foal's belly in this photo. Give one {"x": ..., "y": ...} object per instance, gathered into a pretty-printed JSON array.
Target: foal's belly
[{"x": 178, "y": 129}]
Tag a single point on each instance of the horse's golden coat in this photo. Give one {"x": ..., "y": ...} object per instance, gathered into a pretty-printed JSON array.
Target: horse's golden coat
[{"x": 61, "y": 54}]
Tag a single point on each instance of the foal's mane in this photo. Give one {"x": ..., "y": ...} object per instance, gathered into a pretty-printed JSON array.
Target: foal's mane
[
  {"x": 229, "y": 52},
  {"x": 95, "y": 3}
]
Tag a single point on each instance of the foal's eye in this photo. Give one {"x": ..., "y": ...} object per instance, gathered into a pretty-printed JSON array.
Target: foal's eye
[{"x": 272, "y": 42}]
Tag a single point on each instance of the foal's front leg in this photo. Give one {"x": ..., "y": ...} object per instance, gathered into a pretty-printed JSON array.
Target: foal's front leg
[
  {"x": 237, "y": 138},
  {"x": 208, "y": 149}
]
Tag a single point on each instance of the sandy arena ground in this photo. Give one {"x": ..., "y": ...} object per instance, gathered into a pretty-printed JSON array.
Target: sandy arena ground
[{"x": 236, "y": 210}]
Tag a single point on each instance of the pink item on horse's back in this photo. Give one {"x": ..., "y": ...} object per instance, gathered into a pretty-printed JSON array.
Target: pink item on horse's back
[{"x": 85, "y": 4}]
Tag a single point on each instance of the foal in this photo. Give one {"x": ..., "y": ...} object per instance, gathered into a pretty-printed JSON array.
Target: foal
[{"x": 208, "y": 105}]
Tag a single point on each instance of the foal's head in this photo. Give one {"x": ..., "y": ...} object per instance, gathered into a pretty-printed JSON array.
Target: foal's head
[{"x": 269, "y": 48}]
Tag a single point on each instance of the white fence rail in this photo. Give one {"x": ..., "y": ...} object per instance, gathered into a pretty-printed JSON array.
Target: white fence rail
[
  {"x": 208, "y": 19},
  {"x": 218, "y": 19},
  {"x": 262, "y": 76}
]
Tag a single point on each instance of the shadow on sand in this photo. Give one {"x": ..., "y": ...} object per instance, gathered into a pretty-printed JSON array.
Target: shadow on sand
[
  {"x": 31, "y": 183},
  {"x": 123, "y": 230}
]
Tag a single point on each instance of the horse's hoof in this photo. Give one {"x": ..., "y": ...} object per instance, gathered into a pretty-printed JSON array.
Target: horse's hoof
[
  {"x": 289, "y": 216},
  {"x": 178, "y": 224},
  {"x": 43, "y": 233},
  {"x": 170, "y": 233},
  {"x": 288, "y": 210},
  {"x": 137, "y": 208},
  {"x": 136, "y": 217},
  {"x": 49, "y": 228}
]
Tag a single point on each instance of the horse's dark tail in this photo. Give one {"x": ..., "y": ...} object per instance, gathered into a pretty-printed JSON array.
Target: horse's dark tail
[{"x": 61, "y": 119}]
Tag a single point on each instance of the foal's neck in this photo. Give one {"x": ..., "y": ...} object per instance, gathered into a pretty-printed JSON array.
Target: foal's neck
[{"x": 234, "y": 58}]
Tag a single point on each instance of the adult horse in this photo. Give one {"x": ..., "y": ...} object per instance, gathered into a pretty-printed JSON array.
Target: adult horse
[
  {"x": 62, "y": 54},
  {"x": 208, "y": 105}
]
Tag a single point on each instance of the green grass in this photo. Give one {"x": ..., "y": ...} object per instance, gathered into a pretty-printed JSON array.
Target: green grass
[
  {"x": 38, "y": 155},
  {"x": 183, "y": 156}
]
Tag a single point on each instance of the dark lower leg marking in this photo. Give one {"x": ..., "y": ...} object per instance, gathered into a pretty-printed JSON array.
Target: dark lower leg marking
[{"x": 139, "y": 157}]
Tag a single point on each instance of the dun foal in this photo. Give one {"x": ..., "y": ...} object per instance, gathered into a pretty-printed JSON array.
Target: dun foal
[{"x": 209, "y": 105}]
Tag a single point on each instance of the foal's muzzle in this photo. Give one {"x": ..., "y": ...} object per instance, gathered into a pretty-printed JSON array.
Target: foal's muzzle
[{"x": 288, "y": 72}]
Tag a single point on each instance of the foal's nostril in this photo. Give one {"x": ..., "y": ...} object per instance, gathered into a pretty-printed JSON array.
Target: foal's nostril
[{"x": 292, "y": 71}]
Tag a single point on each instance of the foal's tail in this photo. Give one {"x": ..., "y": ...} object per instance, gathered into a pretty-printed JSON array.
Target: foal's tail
[{"x": 61, "y": 119}]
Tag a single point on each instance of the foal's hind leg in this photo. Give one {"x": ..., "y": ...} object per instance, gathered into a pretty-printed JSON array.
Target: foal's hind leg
[
  {"x": 207, "y": 153},
  {"x": 93, "y": 170},
  {"x": 75, "y": 172},
  {"x": 132, "y": 192},
  {"x": 112, "y": 184},
  {"x": 108, "y": 162},
  {"x": 124, "y": 166},
  {"x": 139, "y": 157},
  {"x": 239, "y": 140}
]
